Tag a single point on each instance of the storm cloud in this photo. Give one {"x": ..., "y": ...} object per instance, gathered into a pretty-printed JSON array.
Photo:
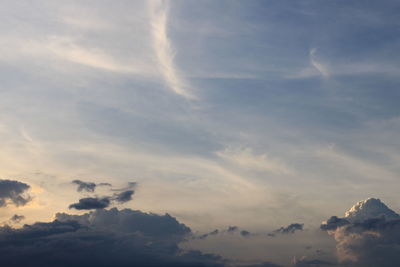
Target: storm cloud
[{"x": 13, "y": 192}]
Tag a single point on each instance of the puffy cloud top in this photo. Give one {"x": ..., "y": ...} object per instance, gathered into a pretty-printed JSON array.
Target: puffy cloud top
[
  {"x": 128, "y": 220},
  {"x": 102, "y": 238},
  {"x": 370, "y": 208},
  {"x": 369, "y": 235}
]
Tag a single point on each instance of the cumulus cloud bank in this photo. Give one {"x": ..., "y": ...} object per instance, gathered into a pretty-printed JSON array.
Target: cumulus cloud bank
[
  {"x": 119, "y": 238},
  {"x": 100, "y": 238},
  {"x": 13, "y": 192}
]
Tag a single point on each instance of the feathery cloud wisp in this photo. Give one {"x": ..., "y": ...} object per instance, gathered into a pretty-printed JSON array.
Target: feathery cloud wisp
[
  {"x": 317, "y": 64},
  {"x": 162, "y": 46}
]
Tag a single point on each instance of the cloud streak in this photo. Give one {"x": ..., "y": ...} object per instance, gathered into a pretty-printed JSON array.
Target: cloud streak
[
  {"x": 163, "y": 49},
  {"x": 323, "y": 70}
]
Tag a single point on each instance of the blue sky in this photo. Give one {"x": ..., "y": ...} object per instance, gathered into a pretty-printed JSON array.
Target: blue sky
[{"x": 250, "y": 113}]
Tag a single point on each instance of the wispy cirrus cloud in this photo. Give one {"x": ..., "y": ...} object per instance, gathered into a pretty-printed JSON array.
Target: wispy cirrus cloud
[
  {"x": 163, "y": 49},
  {"x": 322, "y": 68}
]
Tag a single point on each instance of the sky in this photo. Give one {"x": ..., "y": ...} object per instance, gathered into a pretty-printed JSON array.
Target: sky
[{"x": 194, "y": 116}]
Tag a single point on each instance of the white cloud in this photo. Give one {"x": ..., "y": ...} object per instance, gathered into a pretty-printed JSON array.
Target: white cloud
[
  {"x": 162, "y": 46},
  {"x": 322, "y": 68}
]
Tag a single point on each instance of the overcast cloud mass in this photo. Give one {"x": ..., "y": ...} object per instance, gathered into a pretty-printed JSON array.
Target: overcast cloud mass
[{"x": 267, "y": 130}]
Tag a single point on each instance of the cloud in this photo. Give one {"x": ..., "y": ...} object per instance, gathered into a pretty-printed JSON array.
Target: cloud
[
  {"x": 84, "y": 186},
  {"x": 323, "y": 70},
  {"x": 370, "y": 242},
  {"x": 264, "y": 264},
  {"x": 232, "y": 229},
  {"x": 102, "y": 238},
  {"x": 162, "y": 46},
  {"x": 88, "y": 186},
  {"x": 90, "y": 203},
  {"x": 67, "y": 48},
  {"x": 304, "y": 262},
  {"x": 290, "y": 229},
  {"x": 333, "y": 223},
  {"x": 124, "y": 196},
  {"x": 130, "y": 186},
  {"x": 229, "y": 230},
  {"x": 104, "y": 184},
  {"x": 244, "y": 233},
  {"x": 247, "y": 159},
  {"x": 17, "y": 218},
  {"x": 215, "y": 232},
  {"x": 13, "y": 192}
]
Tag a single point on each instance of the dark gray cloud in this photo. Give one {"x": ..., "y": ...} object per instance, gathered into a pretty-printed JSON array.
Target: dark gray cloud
[
  {"x": 13, "y": 192},
  {"x": 244, "y": 233},
  {"x": 215, "y": 232},
  {"x": 90, "y": 203},
  {"x": 290, "y": 229},
  {"x": 101, "y": 238},
  {"x": 124, "y": 196},
  {"x": 264, "y": 264},
  {"x": 17, "y": 218},
  {"x": 129, "y": 186},
  {"x": 104, "y": 184},
  {"x": 88, "y": 186},
  {"x": 232, "y": 229},
  {"x": 84, "y": 186},
  {"x": 334, "y": 222},
  {"x": 229, "y": 230}
]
